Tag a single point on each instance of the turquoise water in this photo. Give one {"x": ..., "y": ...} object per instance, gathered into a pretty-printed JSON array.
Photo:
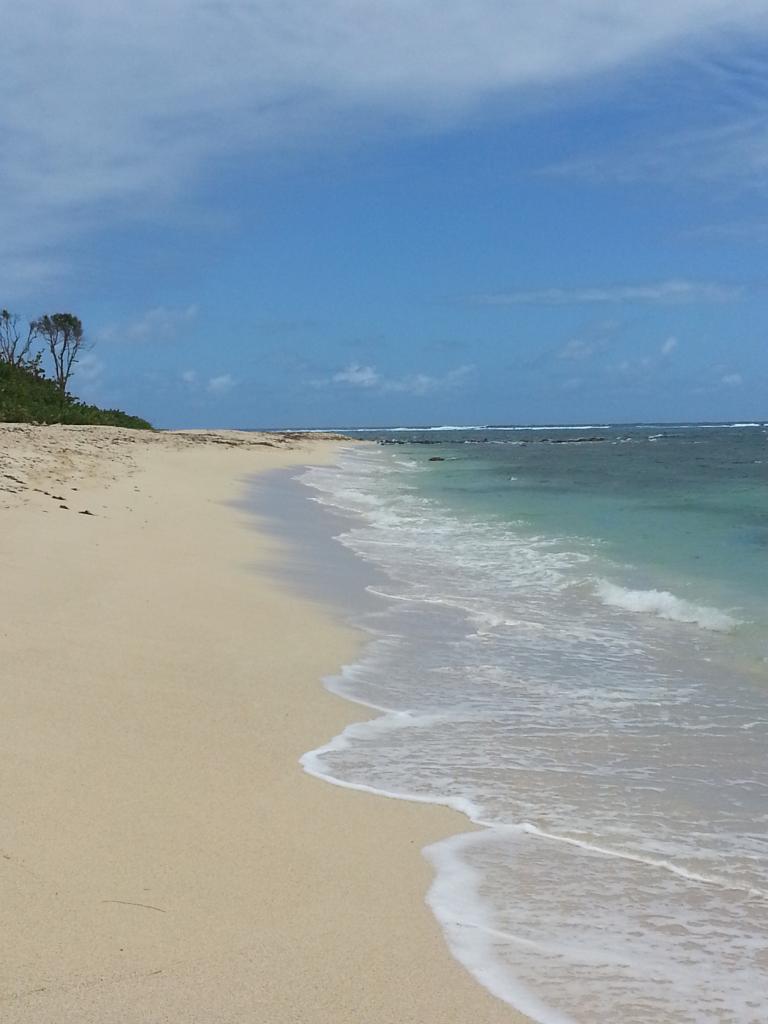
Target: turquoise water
[
  {"x": 681, "y": 509},
  {"x": 570, "y": 648},
  {"x": 686, "y": 505}
]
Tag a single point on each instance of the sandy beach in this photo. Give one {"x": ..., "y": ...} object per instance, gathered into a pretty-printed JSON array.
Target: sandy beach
[{"x": 163, "y": 857}]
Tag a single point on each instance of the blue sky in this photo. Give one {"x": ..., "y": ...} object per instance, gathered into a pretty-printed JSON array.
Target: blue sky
[{"x": 358, "y": 212}]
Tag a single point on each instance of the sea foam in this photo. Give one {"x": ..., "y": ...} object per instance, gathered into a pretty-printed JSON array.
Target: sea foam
[
  {"x": 619, "y": 873},
  {"x": 665, "y": 606}
]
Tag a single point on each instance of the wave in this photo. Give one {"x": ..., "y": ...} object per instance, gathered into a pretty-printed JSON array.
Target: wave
[
  {"x": 706, "y": 426},
  {"x": 603, "y": 882},
  {"x": 426, "y": 428},
  {"x": 507, "y": 691},
  {"x": 470, "y": 426},
  {"x": 499, "y": 944},
  {"x": 666, "y": 606}
]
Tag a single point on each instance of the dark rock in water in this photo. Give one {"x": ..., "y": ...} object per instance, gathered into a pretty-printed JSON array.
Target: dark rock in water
[
  {"x": 575, "y": 440},
  {"x": 437, "y": 458}
]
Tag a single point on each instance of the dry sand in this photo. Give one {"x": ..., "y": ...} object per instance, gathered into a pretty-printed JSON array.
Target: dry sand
[{"x": 163, "y": 858}]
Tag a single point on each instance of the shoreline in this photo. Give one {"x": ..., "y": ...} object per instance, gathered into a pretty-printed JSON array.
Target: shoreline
[{"x": 166, "y": 857}]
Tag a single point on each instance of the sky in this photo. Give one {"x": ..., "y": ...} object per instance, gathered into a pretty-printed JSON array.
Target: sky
[{"x": 379, "y": 212}]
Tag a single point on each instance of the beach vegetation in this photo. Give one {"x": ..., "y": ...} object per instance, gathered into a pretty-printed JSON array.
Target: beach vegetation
[
  {"x": 16, "y": 341},
  {"x": 27, "y": 393},
  {"x": 62, "y": 334},
  {"x": 28, "y": 396}
]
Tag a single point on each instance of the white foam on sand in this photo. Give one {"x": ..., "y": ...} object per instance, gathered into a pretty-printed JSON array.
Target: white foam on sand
[{"x": 607, "y": 881}]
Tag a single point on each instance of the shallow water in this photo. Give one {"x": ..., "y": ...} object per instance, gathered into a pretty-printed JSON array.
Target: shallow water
[{"x": 592, "y": 693}]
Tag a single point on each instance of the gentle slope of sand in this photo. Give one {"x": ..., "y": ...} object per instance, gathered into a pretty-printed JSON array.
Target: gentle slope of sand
[{"x": 163, "y": 858}]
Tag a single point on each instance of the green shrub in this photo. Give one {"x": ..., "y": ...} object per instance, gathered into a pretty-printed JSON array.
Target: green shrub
[{"x": 27, "y": 396}]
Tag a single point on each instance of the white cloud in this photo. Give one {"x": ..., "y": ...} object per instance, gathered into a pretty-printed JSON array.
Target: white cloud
[
  {"x": 577, "y": 350},
  {"x": 159, "y": 324},
  {"x": 368, "y": 377},
  {"x": 89, "y": 368},
  {"x": 358, "y": 376},
  {"x": 88, "y": 377},
  {"x": 422, "y": 383},
  {"x": 142, "y": 93},
  {"x": 669, "y": 346},
  {"x": 189, "y": 377},
  {"x": 221, "y": 385},
  {"x": 735, "y": 150},
  {"x": 661, "y": 292},
  {"x": 732, "y": 380}
]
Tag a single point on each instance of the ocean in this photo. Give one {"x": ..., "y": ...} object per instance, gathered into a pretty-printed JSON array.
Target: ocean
[{"x": 568, "y": 642}]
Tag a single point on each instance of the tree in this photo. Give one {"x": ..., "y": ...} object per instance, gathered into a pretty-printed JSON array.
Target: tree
[
  {"x": 63, "y": 334},
  {"x": 15, "y": 343}
]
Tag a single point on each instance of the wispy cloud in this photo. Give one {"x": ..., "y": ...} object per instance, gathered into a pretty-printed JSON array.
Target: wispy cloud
[
  {"x": 221, "y": 384},
  {"x": 658, "y": 293},
  {"x": 579, "y": 350},
  {"x": 358, "y": 376},
  {"x": 423, "y": 384},
  {"x": 732, "y": 380},
  {"x": 139, "y": 99},
  {"x": 159, "y": 324},
  {"x": 734, "y": 151},
  {"x": 89, "y": 367},
  {"x": 655, "y": 364},
  {"x": 369, "y": 378},
  {"x": 749, "y": 232}
]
